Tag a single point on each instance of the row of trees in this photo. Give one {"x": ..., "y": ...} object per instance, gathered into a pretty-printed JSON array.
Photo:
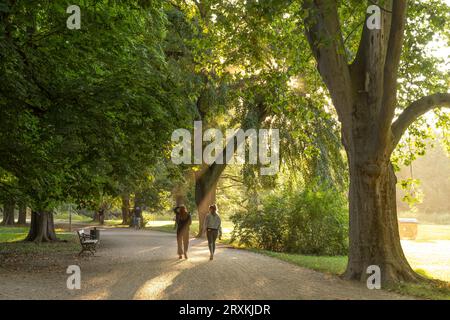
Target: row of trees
[{"x": 87, "y": 114}]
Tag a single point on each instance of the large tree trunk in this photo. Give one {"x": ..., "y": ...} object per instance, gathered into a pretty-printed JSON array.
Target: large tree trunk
[
  {"x": 42, "y": 228},
  {"x": 364, "y": 94},
  {"x": 205, "y": 195},
  {"x": 99, "y": 215},
  {"x": 374, "y": 235},
  {"x": 8, "y": 213},
  {"x": 22, "y": 215},
  {"x": 126, "y": 209}
]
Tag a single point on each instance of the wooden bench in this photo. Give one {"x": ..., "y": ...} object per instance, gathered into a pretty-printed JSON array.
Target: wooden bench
[{"x": 87, "y": 243}]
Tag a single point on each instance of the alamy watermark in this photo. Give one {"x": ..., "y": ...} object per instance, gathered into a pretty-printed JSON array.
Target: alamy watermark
[
  {"x": 374, "y": 280},
  {"x": 74, "y": 280},
  {"x": 74, "y": 20},
  {"x": 374, "y": 20},
  {"x": 263, "y": 147}
]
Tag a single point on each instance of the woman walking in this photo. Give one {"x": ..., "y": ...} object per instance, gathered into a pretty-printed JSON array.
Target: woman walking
[
  {"x": 183, "y": 221},
  {"x": 213, "y": 227}
]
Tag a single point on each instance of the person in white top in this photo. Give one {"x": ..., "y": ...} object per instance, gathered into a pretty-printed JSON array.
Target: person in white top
[{"x": 213, "y": 228}]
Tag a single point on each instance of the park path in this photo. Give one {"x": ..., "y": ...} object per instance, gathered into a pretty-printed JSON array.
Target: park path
[{"x": 144, "y": 265}]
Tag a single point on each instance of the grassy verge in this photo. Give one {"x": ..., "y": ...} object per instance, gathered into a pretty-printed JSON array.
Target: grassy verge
[
  {"x": 333, "y": 265},
  {"x": 11, "y": 242},
  {"x": 12, "y": 234},
  {"x": 438, "y": 290}
]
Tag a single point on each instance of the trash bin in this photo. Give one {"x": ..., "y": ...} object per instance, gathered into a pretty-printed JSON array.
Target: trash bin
[
  {"x": 408, "y": 228},
  {"x": 95, "y": 234}
]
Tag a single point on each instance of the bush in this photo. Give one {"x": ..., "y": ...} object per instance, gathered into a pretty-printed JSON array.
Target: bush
[{"x": 307, "y": 222}]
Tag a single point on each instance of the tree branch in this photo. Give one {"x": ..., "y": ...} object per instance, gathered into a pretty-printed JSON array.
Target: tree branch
[
  {"x": 393, "y": 55},
  {"x": 324, "y": 34},
  {"x": 415, "y": 110}
]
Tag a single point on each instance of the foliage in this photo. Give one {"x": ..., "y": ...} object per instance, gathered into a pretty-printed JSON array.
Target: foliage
[
  {"x": 83, "y": 113},
  {"x": 309, "y": 221}
]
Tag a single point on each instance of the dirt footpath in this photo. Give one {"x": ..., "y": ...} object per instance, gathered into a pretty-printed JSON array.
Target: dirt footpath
[{"x": 144, "y": 265}]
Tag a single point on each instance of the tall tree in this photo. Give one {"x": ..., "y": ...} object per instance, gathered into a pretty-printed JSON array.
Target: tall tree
[
  {"x": 22, "y": 219},
  {"x": 8, "y": 213},
  {"x": 364, "y": 94},
  {"x": 126, "y": 216},
  {"x": 76, "y": 135},
  {"x": 204, "y": 44}
]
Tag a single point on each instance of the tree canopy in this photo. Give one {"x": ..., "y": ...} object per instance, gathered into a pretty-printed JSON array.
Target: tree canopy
[{"x": 87, "y": 114}]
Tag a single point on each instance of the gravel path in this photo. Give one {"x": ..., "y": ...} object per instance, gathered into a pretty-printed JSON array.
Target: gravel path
[{"x": 144, "y": 265}]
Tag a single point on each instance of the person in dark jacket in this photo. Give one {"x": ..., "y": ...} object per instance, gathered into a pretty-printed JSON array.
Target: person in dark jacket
[
  {"x": 183, "y": 222},
  {"x": 137, "y": 218}
]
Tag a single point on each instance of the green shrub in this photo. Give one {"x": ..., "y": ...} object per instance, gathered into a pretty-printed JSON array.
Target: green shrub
[{"x": 311, "y": 222}]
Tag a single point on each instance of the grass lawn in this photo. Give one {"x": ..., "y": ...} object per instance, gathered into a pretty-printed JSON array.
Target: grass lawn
[
  {"x": 11, "y": 242},
  {"x": 75, "y": 217},
  {"x": 12, "y": 234}
]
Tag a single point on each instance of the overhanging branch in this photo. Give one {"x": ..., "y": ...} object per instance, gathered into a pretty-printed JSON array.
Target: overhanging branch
[{"x": 415, "y": 110}]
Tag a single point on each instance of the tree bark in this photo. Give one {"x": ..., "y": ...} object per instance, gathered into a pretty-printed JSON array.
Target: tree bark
[
  {"x": 22, "y": 215},
  {"x": 374, "y": 235},
  {"x": 8, "y": 213},
  {"x": 126, "y": 209},
  {"x": 42, "y": 228}
]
